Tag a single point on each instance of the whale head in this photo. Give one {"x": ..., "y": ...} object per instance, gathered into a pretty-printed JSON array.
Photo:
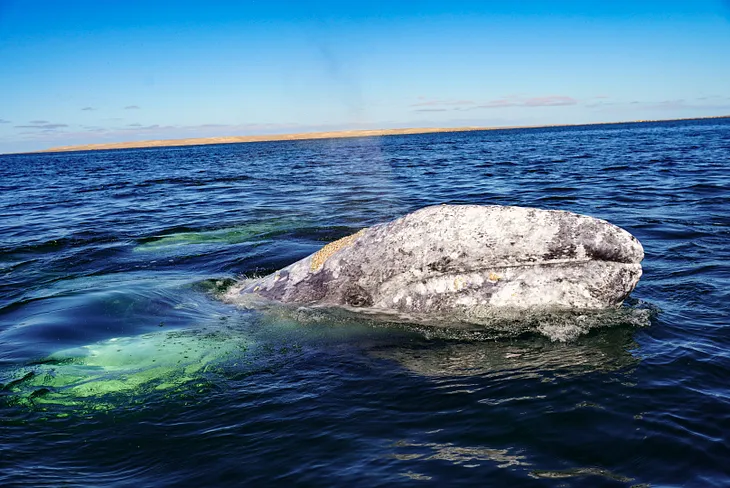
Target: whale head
[{"x": 448, "y": 257}]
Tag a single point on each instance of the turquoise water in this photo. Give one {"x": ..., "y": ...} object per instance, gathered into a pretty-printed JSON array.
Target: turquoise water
[{"x": 122, "y": 363}]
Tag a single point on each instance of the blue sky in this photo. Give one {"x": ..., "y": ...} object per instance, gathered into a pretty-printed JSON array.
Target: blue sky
[{"x": 79, "y": 72}]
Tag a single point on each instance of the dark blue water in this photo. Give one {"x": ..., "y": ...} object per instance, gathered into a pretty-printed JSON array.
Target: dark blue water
[{"x": 122, "y": 366}]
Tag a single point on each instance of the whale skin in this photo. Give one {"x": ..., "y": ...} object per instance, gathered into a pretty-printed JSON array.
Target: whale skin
[{"x": 449, "y": 257}]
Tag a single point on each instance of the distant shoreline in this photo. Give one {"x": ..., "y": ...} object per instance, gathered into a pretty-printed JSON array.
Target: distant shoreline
[{"x": 203, "y": 141}]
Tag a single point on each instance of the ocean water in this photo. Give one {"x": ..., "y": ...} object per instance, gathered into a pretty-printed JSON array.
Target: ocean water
[{"x": 121, "y": 364}]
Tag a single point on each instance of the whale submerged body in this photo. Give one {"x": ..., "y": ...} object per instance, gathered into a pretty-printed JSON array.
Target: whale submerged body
[{"x": 459, "y": 257}]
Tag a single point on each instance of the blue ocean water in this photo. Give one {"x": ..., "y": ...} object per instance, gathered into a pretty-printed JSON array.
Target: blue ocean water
[{"x": 121, "y": 365}]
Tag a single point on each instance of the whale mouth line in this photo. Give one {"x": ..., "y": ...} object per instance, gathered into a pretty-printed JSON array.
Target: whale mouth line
[{"x": 530, "y": 264}]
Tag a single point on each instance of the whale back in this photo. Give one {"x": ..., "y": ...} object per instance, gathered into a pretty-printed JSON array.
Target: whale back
[{"x": 446, "y": 257}]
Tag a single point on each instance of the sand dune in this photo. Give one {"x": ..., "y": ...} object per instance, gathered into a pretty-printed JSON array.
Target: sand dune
[{"x": 200, "y": 141}]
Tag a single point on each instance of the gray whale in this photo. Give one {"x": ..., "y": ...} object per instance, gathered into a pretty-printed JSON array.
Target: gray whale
[{"x": 447, "y": 257}]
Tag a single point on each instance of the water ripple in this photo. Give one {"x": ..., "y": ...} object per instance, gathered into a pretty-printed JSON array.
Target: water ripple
[{"x": 132, "y": 247}]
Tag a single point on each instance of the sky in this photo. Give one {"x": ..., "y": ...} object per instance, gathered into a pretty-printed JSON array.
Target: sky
[{"x": 84, "y": 72}]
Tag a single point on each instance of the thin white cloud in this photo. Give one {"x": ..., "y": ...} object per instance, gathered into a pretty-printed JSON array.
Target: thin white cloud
[
  {"x": 711, "y": 103},
  {"x": 43, "y": 126},
  {"x": 139, "y": 127},
  {"x": 547, "y": 101},
  {"x": 437, "y": 105},
  {"x": 683, "y": 105},
  {"x": 131, "y": 107},
  {"x": 601, "y": 104}
]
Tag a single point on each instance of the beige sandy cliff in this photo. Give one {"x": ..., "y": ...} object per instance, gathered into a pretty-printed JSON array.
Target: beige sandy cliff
[{"x": 200, "y": 141}]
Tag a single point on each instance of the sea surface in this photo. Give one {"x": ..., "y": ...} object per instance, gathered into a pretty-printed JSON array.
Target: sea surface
[{"x": 122, "y": 365}]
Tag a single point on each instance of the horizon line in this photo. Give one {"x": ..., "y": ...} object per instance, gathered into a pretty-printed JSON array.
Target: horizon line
[{"x": 341, "y": 134}]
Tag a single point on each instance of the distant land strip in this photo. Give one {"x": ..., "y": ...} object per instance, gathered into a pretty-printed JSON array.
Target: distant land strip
[{"x": 202, "y": 141}]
